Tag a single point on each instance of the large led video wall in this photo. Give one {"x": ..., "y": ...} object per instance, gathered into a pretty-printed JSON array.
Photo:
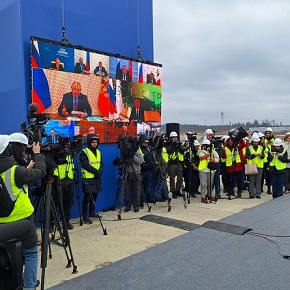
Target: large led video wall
[{"x": 84, "y": 89}]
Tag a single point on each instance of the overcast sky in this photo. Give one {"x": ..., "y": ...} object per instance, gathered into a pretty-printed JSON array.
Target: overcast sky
[{"x": 230, "y": 56}]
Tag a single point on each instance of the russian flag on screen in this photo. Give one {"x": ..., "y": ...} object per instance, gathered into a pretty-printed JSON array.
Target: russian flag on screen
[
  {"x": 40, "y": 90},
  {"x": 140, "y": 72},
  {"x": 35, "y": 56},
  {"x": 118, "y": 67},
  {"x": 88, "y": 63},
  {"x": 130, "y": 69},
  {"x": 111, "y": 92}
]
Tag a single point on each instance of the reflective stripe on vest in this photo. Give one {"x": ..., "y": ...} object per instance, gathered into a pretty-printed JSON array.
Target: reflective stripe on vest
[
  {"x": 163, "y": 154},
  {"x": 7, "y": 178},
  {"x": 65, "y": 170},
  {"x": 23, "y": 207},
  {"x": 277, "y": 163},
  {"x": 232, "y": 156},
  {"x": 94, "y": 160},
  {"x": 174, "y": 156},
  {"x": 257, "y": 160}
]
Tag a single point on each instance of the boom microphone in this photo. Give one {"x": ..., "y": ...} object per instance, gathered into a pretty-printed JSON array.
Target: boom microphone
[{"x": 33, "y": 107}]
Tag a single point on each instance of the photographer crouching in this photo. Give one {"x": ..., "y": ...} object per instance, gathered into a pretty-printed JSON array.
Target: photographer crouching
[
  {"x": 16, "y": 178},
  {"x": 175, "y": 159}
]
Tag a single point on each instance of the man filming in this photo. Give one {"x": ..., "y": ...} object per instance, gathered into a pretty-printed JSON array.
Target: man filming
[
  {"x": 62, "y": 190},
  {"x": 92, "y": 164},
  {"x": 16, "y": 178},
  {"x": 175, "y": 159}
]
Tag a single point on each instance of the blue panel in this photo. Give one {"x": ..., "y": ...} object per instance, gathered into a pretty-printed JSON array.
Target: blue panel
[
  {"x": 12, "y": 89},
  {"x": 105, "y": 25}
]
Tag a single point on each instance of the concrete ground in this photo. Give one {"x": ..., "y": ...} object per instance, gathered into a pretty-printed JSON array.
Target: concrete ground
[{"x": 91, "y": 249}]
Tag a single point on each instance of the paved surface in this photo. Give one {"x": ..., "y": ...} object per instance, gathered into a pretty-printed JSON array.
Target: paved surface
[{"x": 92, "y": 249}]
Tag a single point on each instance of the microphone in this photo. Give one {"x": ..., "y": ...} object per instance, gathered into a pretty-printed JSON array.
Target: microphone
[{"x": 33, "y": 107}]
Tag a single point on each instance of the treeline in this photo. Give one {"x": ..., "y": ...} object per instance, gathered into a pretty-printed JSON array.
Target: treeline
[{"x": 196, "y": 128}]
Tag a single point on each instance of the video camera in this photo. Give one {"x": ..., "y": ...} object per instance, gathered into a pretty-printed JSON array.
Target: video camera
[
  {"x": 237, "y": 134},
  {"x": 191, "y": 137},
  {"x": 159, "y": 140},
  {"x": 128, "y": 145}
]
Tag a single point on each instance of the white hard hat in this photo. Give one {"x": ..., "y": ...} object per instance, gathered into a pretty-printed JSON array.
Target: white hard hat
[
  {"x": 277, "y": 142},
  {"x": 205, "y": 142},
  {"x": 208, "y": 132},
  {"x": 255, "y": 138},
  {"x": 19, "y": 138},
  {"x": 260, "y": 134},
  {"x": 226, "y": 137},
  {"x": 268, "y": 130},
  {"x": 173, "y": 134},
  {"x": 247, "y": 139},
  {"x": 4, "y": 141},
  {"x": 195, "y": 143}
]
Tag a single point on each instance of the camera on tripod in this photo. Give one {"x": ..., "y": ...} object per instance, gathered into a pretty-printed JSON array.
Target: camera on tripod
[
  {"x": 35, "y": 131},
  {"x": 128, "y": 145}
]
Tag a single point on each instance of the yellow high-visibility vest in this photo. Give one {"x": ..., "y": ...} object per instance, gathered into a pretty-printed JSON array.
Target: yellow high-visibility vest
[{"x": 94, "y": 160}]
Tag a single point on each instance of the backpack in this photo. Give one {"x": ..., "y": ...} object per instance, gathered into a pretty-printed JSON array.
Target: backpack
[{"x": 6, "y": 203}]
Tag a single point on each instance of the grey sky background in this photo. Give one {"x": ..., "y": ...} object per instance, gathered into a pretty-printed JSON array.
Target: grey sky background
[{"x": 230, "y": 56}]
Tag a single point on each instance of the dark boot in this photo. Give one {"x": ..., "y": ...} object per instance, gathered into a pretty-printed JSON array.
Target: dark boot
[
  {"x": 174, "y": 194},
  {"x": 86, "y": 219},
  {"x": 240, "y": 193}
]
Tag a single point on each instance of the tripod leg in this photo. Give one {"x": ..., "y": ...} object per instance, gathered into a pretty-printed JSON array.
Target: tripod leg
[
  {"x": 92, "y": 199},
  {"x": 147, "y": 180},
  {"x": 45, "y": 236},
  {"x": 123, "y": 184}
]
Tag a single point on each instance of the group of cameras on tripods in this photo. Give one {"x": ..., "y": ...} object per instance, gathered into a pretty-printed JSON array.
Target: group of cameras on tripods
[{"x": 158, "y": 190}]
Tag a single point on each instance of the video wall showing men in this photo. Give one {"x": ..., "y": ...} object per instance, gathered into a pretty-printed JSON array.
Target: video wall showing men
[{"x": 93, "y": 89}]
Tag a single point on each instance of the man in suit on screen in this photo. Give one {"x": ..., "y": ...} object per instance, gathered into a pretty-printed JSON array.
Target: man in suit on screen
[
  {"x": 137, "y": 113},
  {"x": 53, "y": 137},
  {"x": 100, "y": 70},
  {"x": 124, "y": 76},
  {"x": 75, "y": 103},
  {"x": 80, "y": 67}
]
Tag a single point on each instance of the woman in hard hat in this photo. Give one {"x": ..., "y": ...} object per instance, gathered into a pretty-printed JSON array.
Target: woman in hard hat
[
  {"x": 255, "y": 155},
  {"x": 277, "y": 166},
  {"x": 286, "y": 145}
]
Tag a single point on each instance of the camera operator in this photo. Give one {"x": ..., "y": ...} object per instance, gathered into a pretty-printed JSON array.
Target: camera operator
[
  {"x": 206, "y": 175},
  {"x": 160, "y": 157},
  {"x": 92, "y": 164},
  {"x": 175, "y": 160},
  {"x": 268, "y": 142},
  {"x": 190, "y": 165},
  {"x": 133, "y": 181},
  {"x": 63, "y": 182},
  {"x": 16, "y": 178},
  {"x": 146, "y": 168},
  {"x": 232, "y": 153},
  {"x": 277, "y": 159},
  {"x": 215, "y": 145}
]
